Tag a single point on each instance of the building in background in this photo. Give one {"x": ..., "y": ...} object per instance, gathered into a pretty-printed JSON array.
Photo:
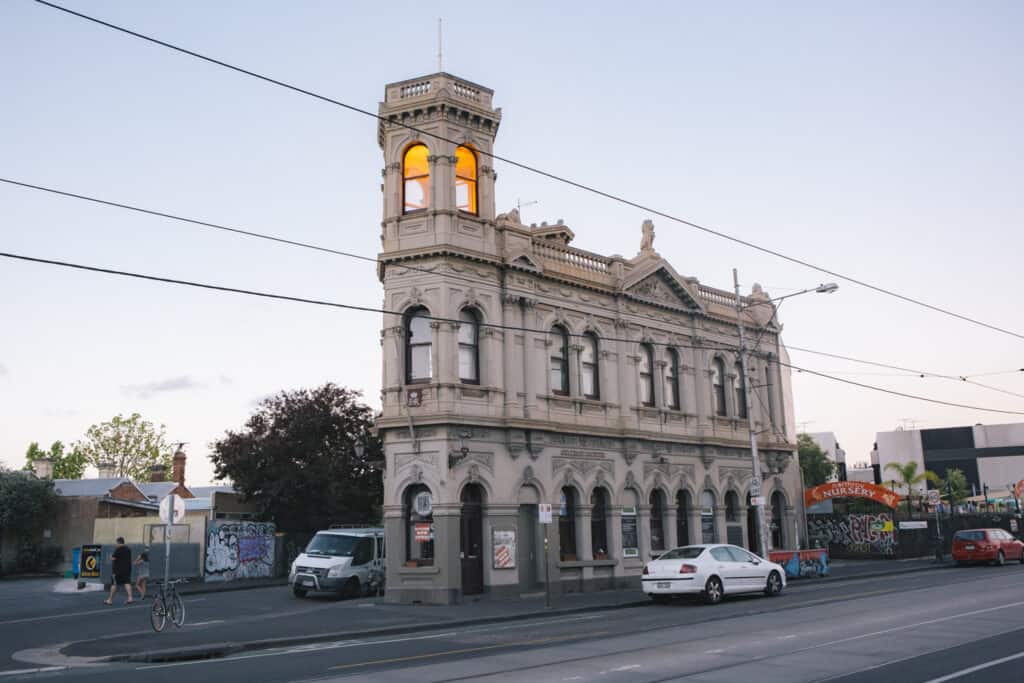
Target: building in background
[
  {"x": 991, "y": 455},
  {"x": 828, "y": 442},
  {"x": 519, "y": 370}
]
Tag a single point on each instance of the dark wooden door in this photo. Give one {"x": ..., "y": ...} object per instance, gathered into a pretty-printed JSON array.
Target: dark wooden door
[{"x": 471, "y": 544}]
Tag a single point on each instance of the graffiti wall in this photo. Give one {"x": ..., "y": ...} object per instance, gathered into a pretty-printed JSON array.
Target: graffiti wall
[
  {"x": 239, "y": 550},
  {"x": 853, "y": 535}
]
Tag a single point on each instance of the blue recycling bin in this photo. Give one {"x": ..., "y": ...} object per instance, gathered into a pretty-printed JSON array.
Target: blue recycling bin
[{"x": 76, "y": 561}]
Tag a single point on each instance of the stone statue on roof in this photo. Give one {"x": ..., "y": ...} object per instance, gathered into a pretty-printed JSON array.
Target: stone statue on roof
[{"x": 647, "y": 241}]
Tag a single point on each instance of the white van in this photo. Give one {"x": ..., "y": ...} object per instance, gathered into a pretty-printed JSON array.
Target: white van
[{"x": 348, "y": 562}]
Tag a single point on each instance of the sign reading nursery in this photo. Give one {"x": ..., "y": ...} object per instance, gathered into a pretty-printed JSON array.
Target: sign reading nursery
[{"x": 851, "y": 489}]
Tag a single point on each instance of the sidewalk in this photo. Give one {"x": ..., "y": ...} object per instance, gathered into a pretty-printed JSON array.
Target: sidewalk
[{"x": 325, "y": 620}]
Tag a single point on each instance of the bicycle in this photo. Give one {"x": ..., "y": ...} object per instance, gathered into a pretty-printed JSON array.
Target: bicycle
[{"x": 167, "y": 603}]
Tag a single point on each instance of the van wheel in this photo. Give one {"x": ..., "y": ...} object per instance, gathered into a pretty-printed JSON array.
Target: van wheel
[
  {"x": 351, "y": 589},
  {"x": 299, "y": 592}
]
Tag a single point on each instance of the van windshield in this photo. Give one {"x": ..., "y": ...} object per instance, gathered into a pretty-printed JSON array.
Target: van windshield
[{"x": 334, "y": 545}]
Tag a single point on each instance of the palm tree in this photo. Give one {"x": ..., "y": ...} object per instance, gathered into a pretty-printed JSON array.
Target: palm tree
[{"x": 910, "y": 477}]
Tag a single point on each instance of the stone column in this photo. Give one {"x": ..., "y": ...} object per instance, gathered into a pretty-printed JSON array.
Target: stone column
[
  {"x": 437, "y": 356},
  {"x": 643, "y": 526},
  {"x": 721, "y": 536},
  {"x": 741, "y": 511},
  {"x": 615, "y": 541},
  {"x": 669, "y": 521},
  {"x": 584, "y": 542},
  {"x": 575, "y": 369},
  {"x": 658, "y": 379},
  {"x": 512, "y": 350},
  {"x": 447, "y": 587},
  {"x": 696, "y": 534}
]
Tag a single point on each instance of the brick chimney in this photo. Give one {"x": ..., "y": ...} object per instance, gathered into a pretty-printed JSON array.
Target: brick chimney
[
  {"x": 178, "y": 470},
  {"x": 43, "y": 468},
  {"x": 107, "y": 469},
  {"x": 158, "y": 473}
]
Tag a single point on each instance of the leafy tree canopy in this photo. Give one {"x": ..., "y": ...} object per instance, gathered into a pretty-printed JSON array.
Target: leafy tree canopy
[
  {"x": 26, "y": 503},
  {"x": 65, "y": 465},
  {"x": 954, "y": 487},
  {"x": 297, "y": 457},
  {"x": 132, "y": 444},
  {"x": 814, "y": 462}
]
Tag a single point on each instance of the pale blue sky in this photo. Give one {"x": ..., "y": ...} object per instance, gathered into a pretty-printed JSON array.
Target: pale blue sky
[{"x": 882, "y": 141}]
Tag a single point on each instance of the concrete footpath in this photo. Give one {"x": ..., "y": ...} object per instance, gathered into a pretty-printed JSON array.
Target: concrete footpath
[{"x": 294, "y": 622}]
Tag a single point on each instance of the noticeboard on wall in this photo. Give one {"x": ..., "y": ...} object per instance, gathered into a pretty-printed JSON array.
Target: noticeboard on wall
[
  {"x": 503, "y": 542},
  {"x": 630, "y": 533}
]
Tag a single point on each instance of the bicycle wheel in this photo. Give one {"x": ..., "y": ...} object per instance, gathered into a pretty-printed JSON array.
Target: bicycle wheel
[
  {"x": 177, "y": 609},
  {"x": 158, "y": 613}
]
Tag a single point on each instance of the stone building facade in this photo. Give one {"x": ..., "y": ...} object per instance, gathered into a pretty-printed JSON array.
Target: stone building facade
[{"x": 520, "y": 370}]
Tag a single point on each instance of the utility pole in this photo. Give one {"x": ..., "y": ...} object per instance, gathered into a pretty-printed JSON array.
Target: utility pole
[{"x": 756, "y": 489}]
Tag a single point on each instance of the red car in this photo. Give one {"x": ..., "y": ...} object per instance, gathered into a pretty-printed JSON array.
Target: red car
[{"x": 986, "y": 545}]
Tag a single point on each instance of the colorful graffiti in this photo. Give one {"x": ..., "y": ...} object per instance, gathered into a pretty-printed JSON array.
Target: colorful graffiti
[
  {"x": 239, "y": 550},
  {"x": 854, "y": 534},
  {"x": 801, "y": 563}
]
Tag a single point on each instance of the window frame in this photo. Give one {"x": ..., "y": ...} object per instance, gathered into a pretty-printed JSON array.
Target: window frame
[
  {"x": 718, "y": 388},
  {"x": 673, "y": 398},
  {"x": 406, "y": 178},
  {"x": 567, "y": 527},
  {"x": 472, "y": 182},
  {"x": 647, "y": 354},
  {"x": 410, "y": 519},
  {"x": 656, "y": 520},
  {"x": 410, "y": 315},
  {"x": 562, "y": 359},
  {"x": 474, "y": 347},
  {"x": 599, "y": 507},
  {"x": 593, "y": 369},
  {"x": 739, "y": 385}
]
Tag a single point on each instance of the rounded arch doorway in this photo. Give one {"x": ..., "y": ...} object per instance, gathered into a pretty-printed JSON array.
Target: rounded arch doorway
[{"x": 471, "y": 539}]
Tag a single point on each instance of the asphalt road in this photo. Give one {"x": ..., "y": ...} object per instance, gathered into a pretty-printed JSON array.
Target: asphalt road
[{"x": 908, "y": 628}]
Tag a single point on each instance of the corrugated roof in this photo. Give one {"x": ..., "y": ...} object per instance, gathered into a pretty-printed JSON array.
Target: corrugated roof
[
  {"x": 192, "y": 504},
  {"x": 88, "y": 487},
  {"x": 157, "y": 490},
  {"x": 207, "y": 491}
]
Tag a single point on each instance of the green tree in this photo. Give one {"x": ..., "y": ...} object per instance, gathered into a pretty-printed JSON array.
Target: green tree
[
  {"x": 814, "y": 462},
  {"x": 909, "y": 476},
  {"x": 954, "y": 487},
  {"x": 27, "y": 504},
  {"x": 132, "y": 444},
  {"x": 306, "y": 457},
  {"x": 65, "y": 465}
]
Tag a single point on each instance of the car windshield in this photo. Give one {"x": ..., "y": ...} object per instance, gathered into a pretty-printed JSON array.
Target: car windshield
[
  {"x": 970, "y": 536},
  {"x": 688, "y": 553},
  {"x": 334, "y": 545}
]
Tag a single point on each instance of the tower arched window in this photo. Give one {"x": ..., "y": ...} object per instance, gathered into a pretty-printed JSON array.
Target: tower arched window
[
  {"x": 672, "y": 380},
  {"x": 718, "y": 386},
  {"x": 465, "y": 179},
  {"x": 416, "y": 179},
  {"x": 590, "y": 380},
  {"x": 559, "y": 381},
  {"x": 599, "y": 523},
  {"x": 469, "y": 346},
  {"x": 739, "y": 386},
  {"x": 646, "y": 375},
  {"x": 418, "y": 347}
]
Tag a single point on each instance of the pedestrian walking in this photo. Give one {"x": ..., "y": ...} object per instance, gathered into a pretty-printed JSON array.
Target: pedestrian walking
[
  {"x": 121, "y": 575},
  {"x": 142, "y": 572}
]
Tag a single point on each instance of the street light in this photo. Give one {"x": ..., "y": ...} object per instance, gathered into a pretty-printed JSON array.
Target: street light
[{"x": 758, "y": 499}]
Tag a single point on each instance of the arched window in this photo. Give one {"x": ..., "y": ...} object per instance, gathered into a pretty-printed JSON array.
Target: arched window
[
  {"x": 739, "y": 386},
  {"x": 416, "y": 177},
  {"x": 417, "y": 509},
  {"x": 646, "y": 375},
  {"x": 599, "y": 523},
  {"x": 657, "y": 502},
  {"x": 672, "y": 380},
  {"x": 418, "y": 342},
  {"x": 683, "y": 518},
  {"x": 465, "y": 179},
  {"x": 732, "y": 507},
  {"x": 590, "y": 381},
  {"x": 559, "y": 361},
  {"x": 718, "y": 386},
  {"x": 567, "y": 525},
  {"x": 469, "y": 346},
  {"x": 778, "y": 534},
  {"x": 708, "y": 533}
]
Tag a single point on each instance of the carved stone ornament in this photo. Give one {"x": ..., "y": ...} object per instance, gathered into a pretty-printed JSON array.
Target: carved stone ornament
[
  {"x": 417, "y": 474},
  {"x": 567, "y": 477},
  {"x": 630, "y": 480},
  {"x": 630, "y": 456},
  {"x": 708, "y": 483},
  {"x": 708, "y": 458},
  {"x": 599, "y": 477},
  {"x": 415, "y": 296},
  {"x": 647, "y": 237},
  {"x": 471, "y": 298},
  {"x": 474, "y": 473},
  {"x": 528, "y": 473}
]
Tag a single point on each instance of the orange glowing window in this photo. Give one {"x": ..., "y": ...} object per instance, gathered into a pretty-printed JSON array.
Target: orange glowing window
[
  {"x": 465, "y": 179},
  {"x": 416, "y": 173}
]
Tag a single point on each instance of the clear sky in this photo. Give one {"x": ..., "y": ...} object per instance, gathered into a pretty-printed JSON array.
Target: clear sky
[{"x": 881, "y": 140}]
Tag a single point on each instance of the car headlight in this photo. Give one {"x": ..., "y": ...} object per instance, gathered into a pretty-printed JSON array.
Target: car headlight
[{"x": 335, "y": 571}]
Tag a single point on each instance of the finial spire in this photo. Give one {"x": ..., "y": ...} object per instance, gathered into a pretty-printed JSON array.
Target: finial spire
[{"x": 440, "y": 64}]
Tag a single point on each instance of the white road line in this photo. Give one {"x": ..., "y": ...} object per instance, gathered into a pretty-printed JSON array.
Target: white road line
[
  {"x": 207, "y": 623},
  {"x": 20, "y": 672},
  {"x": 110, "y": 609},
  {"x": 979, "y": 667},
  {"x": 628, "y": 667}
]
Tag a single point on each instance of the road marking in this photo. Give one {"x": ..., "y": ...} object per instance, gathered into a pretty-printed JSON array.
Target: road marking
[
  {"x": 20, "y": 672},
  {"x": 465, "y": 650},
  {"x": 109, "y": 610},
  {"x": 979, "y": 667},
  {"x": 628, "y": 667},
  {"x": 207, "y": 623}
]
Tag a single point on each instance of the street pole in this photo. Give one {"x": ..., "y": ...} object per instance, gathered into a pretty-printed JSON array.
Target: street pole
[
  {"x": 547, "y": 581},
  {"x": 167, "y": 541},
  {"x": 755, "y": 461}
]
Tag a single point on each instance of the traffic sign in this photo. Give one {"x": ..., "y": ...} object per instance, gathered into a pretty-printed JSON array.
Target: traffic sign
[
  {"x": 755, "y": 486},
  {"x": 172, "y": 509},
  {"x": 545, "y": 513}
]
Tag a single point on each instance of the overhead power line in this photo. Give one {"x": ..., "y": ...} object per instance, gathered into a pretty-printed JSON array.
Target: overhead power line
[
  {"x": 371, "y": 259},
  {"x": 547, "y": 174},
  {"x": 370, "y": 309}
]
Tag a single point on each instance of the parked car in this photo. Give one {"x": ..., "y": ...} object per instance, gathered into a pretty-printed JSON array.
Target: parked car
[
  {"x": 711, "y": 571},
  {"x": 347, "y": 562},
  {"x": 986, "y": 545}
]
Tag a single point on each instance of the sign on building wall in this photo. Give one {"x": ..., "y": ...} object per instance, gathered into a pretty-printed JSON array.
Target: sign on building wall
[
  {"x": 503, "y": 541},
  {"x": 90, "y": 567},
  {"x": 424, "y": 534},
  {"x": 545, "y": 513},
  {"x": 630, "y": 535},
  {"x": 239, "y": 550},
  {"x": 851, "y": 489}
]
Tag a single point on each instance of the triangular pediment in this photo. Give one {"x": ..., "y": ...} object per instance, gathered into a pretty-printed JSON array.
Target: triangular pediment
[
  {"x": 525, "y": 262},
  {"x": 658, "y": 283}
]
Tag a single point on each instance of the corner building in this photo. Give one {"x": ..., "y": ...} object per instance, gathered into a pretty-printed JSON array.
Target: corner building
[{"x": 518, "y": 370}]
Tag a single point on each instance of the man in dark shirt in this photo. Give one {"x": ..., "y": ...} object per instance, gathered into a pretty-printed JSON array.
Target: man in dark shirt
[{"x": 122, "y": 571}]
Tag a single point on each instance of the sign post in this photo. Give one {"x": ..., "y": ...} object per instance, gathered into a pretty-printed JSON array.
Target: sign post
[
  {"x": 544, "y": 510},
  {"x": 172, "y": 511}
]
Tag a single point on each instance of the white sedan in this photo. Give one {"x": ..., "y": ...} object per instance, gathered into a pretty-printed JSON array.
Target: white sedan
[{"x": 711, "y": 571}]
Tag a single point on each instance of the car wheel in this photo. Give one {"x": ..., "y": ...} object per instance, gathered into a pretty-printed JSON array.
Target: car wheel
[
  {"x": 1000, "y": 559},
  {"x": 661, "y": 598},
  {"x": 774, "y": 585},
  {"x": 299, "y": 592},
  {"x": 1022, "y": 555},
  {"x": 351, "y": 589},
  {"x": 713, "y": 591}
]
